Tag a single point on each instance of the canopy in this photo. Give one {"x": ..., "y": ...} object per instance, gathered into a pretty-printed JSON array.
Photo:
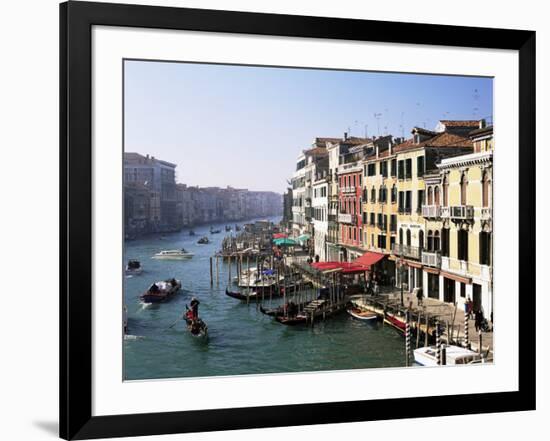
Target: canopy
[
  {"x": 285, "y": 242},
  {"x": 304, "y": 238},
  {"x": 280, "y": 236},
  {"x": 344, "y": 267},
  {"x": 369, "y": 258}
]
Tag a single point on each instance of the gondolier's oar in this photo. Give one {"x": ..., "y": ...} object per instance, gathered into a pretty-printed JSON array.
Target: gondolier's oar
[{"x": 177, "y": 320}]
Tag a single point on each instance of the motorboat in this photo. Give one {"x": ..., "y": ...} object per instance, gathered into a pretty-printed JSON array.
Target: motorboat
[
  {"x": 454, "y": 355},
  {"x": 161, "y": 291},
  {"x": 212, "y": 231},
  {"x": 203, "y": 240},
  {"x": 174, "y": 254},
  {"x": 361, "y": 314},
  {"x": 133, "y": 267},
  {"x": 191, "y": 232}
]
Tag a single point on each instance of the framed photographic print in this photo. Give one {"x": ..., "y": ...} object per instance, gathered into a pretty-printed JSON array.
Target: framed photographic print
[{"x": 274, "y": 220}]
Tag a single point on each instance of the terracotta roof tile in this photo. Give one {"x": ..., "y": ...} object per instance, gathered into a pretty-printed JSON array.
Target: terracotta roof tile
[
  {"x": 460, "y": 123},
  {"x": 441, "y": 140}
]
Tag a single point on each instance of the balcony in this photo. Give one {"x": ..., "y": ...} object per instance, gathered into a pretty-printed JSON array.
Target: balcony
[
  {"x": 431, "y": 211},
  {"x": 458, "y": 212},
  {"x": 346, "y": 218},
  {"x": 431, "y": 258},
  {"x": 406, "y": 251},
  {"x": 486, "y": 214},
  {"x": 348, "y": 189}
]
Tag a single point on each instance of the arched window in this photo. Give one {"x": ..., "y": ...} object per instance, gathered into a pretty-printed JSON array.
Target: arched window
[
  {"x": 421, "y": 239},
  {"x": 394, "y": 194},
  {"x": 430, "y": 196},
  {"x": 463, "y": 189},
  {"x": 445, "y": 192},
  {"x": 436, "y": 195},
  {"x": 437, "y": 241},
  {"x": 408, "y": 237},
  {"x": 485, "y": 183},
  {"x": 373, "y": 195},
  {"x": 401, "y": 235},
  {"x": 430, "y": 240}
]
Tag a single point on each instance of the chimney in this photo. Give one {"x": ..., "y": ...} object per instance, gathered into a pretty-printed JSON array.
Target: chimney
[
  {"x": 389, "y": 148},
  {"x": 482, "y": 123},
  {"x": 345, "y": 136}
]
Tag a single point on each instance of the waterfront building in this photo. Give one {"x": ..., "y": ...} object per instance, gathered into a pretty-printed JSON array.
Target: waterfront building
[
  {"x": 466, "y": 218},
  {"x": 320, "y": 212},
  {"x": 417, "y": 157},
  {"x": 333, "y": 230},
  {"x": 350, "y": 196},
  {"x": 160, "y": 178}
]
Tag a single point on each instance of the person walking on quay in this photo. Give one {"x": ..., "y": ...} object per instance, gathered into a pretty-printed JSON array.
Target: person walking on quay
[
  {"x": 468, "y": 307},
  {"x": 478, "y": 319},
  {"x": 419, "y": 296}
]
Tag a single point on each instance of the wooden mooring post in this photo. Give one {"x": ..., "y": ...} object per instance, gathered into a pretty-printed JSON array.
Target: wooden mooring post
[
  {"x": 211, "y": 273},
  {"x": 407, "y": 339},
  {"x": 217, "y": 270},
  {"x": 438, "y": 342}
]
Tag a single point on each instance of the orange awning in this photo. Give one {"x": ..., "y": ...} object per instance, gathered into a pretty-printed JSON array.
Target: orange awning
[{"x": 369, "y": 258}]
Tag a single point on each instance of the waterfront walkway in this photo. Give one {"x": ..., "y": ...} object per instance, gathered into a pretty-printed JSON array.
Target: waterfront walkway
[{"x": 447, "y": 313}]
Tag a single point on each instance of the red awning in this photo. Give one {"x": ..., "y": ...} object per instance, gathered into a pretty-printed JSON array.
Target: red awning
[
  {"x": 369, "y": 258},
  {"x": 344, "y": 267},
  {"x": 280, "y": 236}
]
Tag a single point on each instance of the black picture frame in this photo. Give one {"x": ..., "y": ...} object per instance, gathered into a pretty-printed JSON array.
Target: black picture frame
[{"x": 76, "y": 21}]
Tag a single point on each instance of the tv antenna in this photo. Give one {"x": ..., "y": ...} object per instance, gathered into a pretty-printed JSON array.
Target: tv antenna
[{"x": 378, "y": 116}]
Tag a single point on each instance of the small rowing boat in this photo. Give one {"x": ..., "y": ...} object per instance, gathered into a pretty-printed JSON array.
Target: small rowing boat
[
  {"x": 134, "y": 268},
  {"x": 396, "y": 320},
  {"x": 197, "y": 328},
  {"x": 360, "y": 314}
]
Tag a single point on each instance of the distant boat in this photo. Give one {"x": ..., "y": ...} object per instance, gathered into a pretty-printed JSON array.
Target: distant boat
[
  {"x": 197, "y": 328},
  {"x": 174, "y": 254},
  {"x": 237, "y": 228},
  {"x": 454, "y": 355},
  {"x": 191, "y": 232},
  {"x": 228, "y": 228},
  {"x": 161, "y": 291},
  {"x": 203, "y": 240},
  {"x": 134, "y": 267},
  {"x": 212, "y": 231}
]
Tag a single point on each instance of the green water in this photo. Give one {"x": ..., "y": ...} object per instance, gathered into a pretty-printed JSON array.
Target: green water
[{"x": 241, "y": 339}]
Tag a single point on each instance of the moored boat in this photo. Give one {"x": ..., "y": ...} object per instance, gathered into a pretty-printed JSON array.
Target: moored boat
[
  {"x": 174, "y": 254},
  {"x": 298, "y": 319},
  {"x": 361, "y": 314},
  {"x": 454, "y": 355},
  {"x": 251, "y": 296},
  {"x": 133, "y": 267},
  {"x": 397, "y": 320},
  {"x": 161, "y": 291}
]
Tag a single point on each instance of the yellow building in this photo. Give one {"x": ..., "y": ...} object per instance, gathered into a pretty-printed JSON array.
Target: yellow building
[
  {"x": 380, "y": 199},
  {"x": 417, "y": 158},
  {"x": 466, "y": 214}
]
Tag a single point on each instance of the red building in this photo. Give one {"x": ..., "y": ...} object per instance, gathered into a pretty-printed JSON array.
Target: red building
[{"x": 350, "y": 210}]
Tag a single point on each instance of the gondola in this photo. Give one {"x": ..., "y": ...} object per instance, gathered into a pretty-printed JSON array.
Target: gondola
[
  {"x": 198, "y": 328},
  {"x": 252, "y": 296},
  {"x": 282, "y": 309},
  {"x": 228, "y": 228},
  {"x": 292, "y": 321},
  {"x": 203, "y": 240}
]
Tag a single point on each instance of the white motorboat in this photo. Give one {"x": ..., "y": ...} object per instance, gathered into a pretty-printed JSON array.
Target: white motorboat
[
  {"x": 455, "y": 355},
  {"x": 174, "y": 254},
  {"x": 361, "y": 314}
]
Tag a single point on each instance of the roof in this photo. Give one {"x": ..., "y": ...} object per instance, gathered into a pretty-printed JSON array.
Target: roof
[
  {"x": 441, "y": 140},
  {"x": 316, "y": 151},
  {"x": 483, "y": 131},
  {"x": 460, "y": 123},
  {"x": 344, "y": 267},
  {"x": 325, "y": 140}
]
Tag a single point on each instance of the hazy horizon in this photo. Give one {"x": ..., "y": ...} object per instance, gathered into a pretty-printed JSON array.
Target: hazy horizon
[{"x": 244, "y": 126}]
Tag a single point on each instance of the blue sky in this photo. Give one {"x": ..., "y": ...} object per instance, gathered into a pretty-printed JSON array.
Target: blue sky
[{"x": 244, "y": 126}]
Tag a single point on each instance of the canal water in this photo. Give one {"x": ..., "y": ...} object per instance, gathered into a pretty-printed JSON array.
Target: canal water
[{"x": 241, "y": 339}]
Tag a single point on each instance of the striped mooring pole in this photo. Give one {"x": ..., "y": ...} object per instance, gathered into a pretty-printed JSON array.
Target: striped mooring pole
[
  {"x": 438, "y": 342},
  {"x": 466, "y": 331},
  {"x": 407, "y": 339}
]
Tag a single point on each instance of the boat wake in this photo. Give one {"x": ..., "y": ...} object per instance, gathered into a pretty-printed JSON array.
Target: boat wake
[{"x": 133, "y": 337}]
